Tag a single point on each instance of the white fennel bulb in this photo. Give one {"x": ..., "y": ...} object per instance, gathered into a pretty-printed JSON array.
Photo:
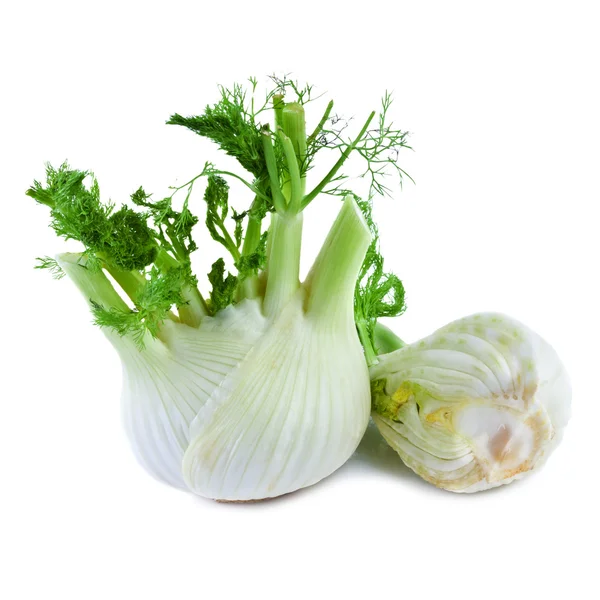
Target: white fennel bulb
[
  {"x": 261, "y": 387},
  {"x": 266, "y": 397},
  {"x": 481, "y": 402}
]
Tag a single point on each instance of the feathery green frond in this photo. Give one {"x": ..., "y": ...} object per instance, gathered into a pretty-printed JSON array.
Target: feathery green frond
[
  {"x": 223, "y": 287},
  {"x": 160, "y": 292},
  {"x": 122, "y": 238},
  {"x": 377, "y": 293},
  {"x": 232, "y": 126},
  {"x": 173, "y": 229},
  {"x": 378, "y": 146},
  {"x": 252, "y": 264},
  {"x": 216, "y": 197},
  {"x": 51, "y": 265}
]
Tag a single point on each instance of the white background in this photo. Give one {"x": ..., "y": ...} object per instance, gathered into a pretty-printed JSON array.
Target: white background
[{"x": 501, "y": 99}]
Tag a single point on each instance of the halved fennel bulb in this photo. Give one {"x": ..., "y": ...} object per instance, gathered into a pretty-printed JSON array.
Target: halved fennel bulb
[
  {"x": 479, "y": 403},
  {"x": 268, "y": 396}
]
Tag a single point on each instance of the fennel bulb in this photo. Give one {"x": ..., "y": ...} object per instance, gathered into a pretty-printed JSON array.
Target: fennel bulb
[
  {"x": 262, "y": 387},
  {"x": 479, "y": 403},
  {"x": 255, "y": 405}
]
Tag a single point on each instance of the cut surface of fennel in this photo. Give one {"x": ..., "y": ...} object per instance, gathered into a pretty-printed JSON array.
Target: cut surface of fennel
[
  {"x": 479, "y": 403},
  {"x": 268, "y": 396}
]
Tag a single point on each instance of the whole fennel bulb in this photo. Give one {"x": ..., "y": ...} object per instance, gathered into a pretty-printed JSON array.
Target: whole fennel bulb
[
  {"x": 479, "y": 403},
  {"x": 262, "y": 388},
  {"x": 255, "y": 405}
]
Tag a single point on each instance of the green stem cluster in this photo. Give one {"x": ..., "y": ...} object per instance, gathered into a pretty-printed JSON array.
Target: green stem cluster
[
  {"x": 290, "y": 199},
  {"x": 147, "y": 252}
]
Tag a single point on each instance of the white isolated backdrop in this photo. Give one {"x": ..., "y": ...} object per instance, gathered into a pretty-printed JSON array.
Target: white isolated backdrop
[{"x": 501, "y": 99}]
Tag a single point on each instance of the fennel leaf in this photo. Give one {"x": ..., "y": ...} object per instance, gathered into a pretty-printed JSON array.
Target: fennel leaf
[
  {"x": 160, "y": 292},
  {"x": 377, "y": 293},
  {"x": 223, "y": 287},
  {"x": 50, "y": 264},
  {"x": 122, "y": 238}
]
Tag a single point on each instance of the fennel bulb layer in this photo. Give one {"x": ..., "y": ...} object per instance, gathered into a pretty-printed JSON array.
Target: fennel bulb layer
[
  {"x": 170, "y": 379},
  {"x": 289, "y": 415},
  {"x": 479, "y": 403},
  {"x": 167, "y": 383},
  {"x": 295, "y": 409}
]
